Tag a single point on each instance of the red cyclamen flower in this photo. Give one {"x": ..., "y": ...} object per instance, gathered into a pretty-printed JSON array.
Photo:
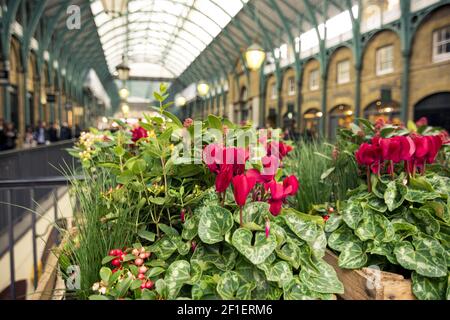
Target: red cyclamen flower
[{"x": 138, "y": 133}]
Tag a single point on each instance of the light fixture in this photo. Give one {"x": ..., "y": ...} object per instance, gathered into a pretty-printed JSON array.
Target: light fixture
[
  {"x": 123, "y": 70},
  {"x": 255, "y": 56},
  {"x": 125, "y": 109},
  {"x": 319, "y": 114},
  {"x": 349, "y": 112},
  {"x": 105, "y": 120},
  {"x": 115, "y": 8},
  {"x": 202, "y": 88},
  {"x": 180, "y": 101},
  {"x": 124, "y": 93},
  {"x": 290, "y": 116}
]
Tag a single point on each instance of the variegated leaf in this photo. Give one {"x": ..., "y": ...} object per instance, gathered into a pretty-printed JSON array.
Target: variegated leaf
[
  {"x": 214, "y": 223},
  {"x": 257, "y": 253}
]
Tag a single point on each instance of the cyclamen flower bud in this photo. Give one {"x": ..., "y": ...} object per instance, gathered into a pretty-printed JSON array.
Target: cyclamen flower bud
[
  {"x": 182, "y": 215},
  {"x": 193, "y": 245},
  {"x": 267, "y": 228}
]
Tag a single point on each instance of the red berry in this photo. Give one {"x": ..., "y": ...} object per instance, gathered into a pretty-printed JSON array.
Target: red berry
[
  {"x": 119, "y": 252},
  {"x": 147, "y": 255},
  {"x": 143, "y": 269},
  {"x": 143, "y": 286},
  {"x": 115, "y": 270},
  {"x": 116, "y": 262},
  {"x": 149, "y": 284},
  {"x": 135, "y": 252},
  {"x": 112, "y": 253},
  {"x": 138, "y": 262},
  {"x": 141, "y": 276},
  {"x": 325, "y": 218},
  {"x": 331, "y": 210},
  {"x": 143, "y": 256}
]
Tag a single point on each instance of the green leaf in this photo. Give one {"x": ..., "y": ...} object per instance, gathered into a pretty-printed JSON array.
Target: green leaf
[
  {"x": 367, "y": 124},
  {"x": 105, "y": 274},
  {"x": 297, "y": 290},
  {"x": 164, "y": 248},
  {"x": 334, "y": 222},
  {"x": 148, "y": 295},
  {"x": 340, "y": 237},
  {"x": 168, "y": 231},
  {"x": 387, "y": 131},
  {"x": 352, "y": 213},
  {"x": 424, "y": 220},
  {"x": 174, "y": 118},
  {"x": 177, "y": 274},
  {"x": 327, "y": 173},
  {"x": 205, "y": 288},
  {"x": 228, "y": 285},
  {"x": 123, "y": 286},
  {"x": 107, "y": 259},
  {"x": 309, "y": 231},
  {"x": 214, "y": 122},
  {"x": 147, "y": 235},
  {"x": 98, "y": 297},
  {"x": 394, "y": 195},
  {"x": 353, "y": 256},
  {"x": 161, "y": 288},
  {"x": 425, "y": 255},
  {"x": 280, "y": 272},
  {"x": 214, "y": 223},
  {"x": 377, "y": 204},
  {"x": 139, "y": 166},
  {"x": 157, "y": 200},
  {"x": 158, "y": 97},
  {"x": 136, "y": 284},
  {"x": 119, "y": 151},
  {"x": 375, "y": 226},
  {"x": 425, "y": 288},
  {"x": 190, "y": 227},
  {"x": 257, "y": 253},
  {"x": 322, "y": 278},
  {"x": 153, "y": 272},
  {"x": 254, "y": 215},
  {"x": 245, "y": 292}
]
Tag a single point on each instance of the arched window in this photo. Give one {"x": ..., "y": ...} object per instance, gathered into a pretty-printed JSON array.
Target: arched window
[
  {"x": 390, "y": 112},
  {"x": 311, "y": 119},
  {"x": 436, "y": 108},
  {"x": 340, "y": 116}
]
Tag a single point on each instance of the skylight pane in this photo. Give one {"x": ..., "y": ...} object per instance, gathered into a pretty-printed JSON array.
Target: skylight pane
[{"x": 213, "y": 11}]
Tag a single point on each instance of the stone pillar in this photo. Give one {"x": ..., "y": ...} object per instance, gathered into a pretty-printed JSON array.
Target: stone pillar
[{"x": 255, "y": 112}]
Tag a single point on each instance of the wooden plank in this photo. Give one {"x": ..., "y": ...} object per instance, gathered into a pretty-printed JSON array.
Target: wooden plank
[
  {"x": 46, "y": 284},
  {"x": 371, "y": 284}
]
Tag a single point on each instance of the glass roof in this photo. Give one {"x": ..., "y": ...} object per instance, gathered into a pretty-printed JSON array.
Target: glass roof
[{"x": 165, "y": 35}]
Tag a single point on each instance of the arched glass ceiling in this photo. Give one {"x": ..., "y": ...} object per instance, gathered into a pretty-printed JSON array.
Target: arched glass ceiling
[{"x": 168, "y": 35}]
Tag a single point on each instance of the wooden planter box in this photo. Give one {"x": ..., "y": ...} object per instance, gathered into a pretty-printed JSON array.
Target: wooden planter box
[
  {"x": 371, "y": 284},
  {"x": 51, "y": 285}
]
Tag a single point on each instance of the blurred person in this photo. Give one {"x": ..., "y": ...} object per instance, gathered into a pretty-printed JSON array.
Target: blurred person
[
  {"x": 77, "y": 131},
  {"x": 53, "y": 132},
  {"x": 29, "y": 141},
  {"x": 65, "y": 132},
  {"x": 2, "y": 135},
  {"x": 41, "y": 134},
  {"x": 11, "y": 136}
]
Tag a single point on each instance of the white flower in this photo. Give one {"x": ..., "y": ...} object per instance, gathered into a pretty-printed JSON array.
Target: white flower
[
  {"x": 96, "y": 286},
  {"x": 102, "y": 290}
]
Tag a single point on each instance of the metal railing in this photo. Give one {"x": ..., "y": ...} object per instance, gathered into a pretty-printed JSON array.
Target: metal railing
[
  {"x": 31, "y": 185},
  {"x": 30, "y": 179}
]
